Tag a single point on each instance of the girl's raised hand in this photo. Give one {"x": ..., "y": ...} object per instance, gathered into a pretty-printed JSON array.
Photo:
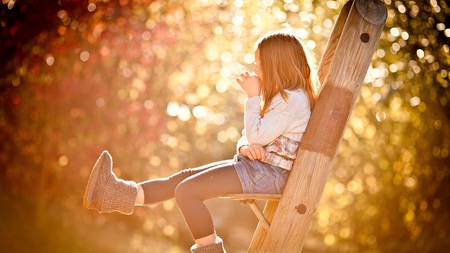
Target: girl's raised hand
[
  {"x": 253, "y": 152},
  {"x": 250, "y": 83}
]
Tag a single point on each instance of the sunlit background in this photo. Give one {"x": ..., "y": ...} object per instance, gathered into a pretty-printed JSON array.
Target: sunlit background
[{"x": 153, "y": 82}]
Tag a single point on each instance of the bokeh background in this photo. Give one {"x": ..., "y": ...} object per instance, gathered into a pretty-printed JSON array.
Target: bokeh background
[{"x": 153, "y": 82}]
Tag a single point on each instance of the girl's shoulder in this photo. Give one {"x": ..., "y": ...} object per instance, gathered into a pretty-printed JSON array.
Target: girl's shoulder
[
  {"x": 295, "y": 100},
  {"x": 297, "y": 96},
  {"x": 296, "y": 93}
]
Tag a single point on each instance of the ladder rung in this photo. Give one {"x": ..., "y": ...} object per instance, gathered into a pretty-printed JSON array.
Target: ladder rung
[
  {"x": 256, "y": 196},
  {"x": 250, "y": 200}
]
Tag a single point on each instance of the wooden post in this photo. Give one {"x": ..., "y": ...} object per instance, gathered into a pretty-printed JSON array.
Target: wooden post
[{"x": 342, "y": 71}]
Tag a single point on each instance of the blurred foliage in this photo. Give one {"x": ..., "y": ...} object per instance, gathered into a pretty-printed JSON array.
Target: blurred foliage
[{"x": 153, "y": 82}]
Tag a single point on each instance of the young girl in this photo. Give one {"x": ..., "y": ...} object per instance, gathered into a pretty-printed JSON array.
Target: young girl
[{"x": 265, "y": 153}]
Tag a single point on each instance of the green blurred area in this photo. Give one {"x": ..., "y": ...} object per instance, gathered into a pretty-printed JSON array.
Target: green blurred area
[{"x": 153, "y": 83}]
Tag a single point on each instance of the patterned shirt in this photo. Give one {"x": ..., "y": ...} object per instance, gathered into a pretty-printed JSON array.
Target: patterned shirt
[{"x": 282, "y": 152}]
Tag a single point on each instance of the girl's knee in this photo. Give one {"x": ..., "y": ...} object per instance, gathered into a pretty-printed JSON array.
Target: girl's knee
[{"x": 182, "y": 191}]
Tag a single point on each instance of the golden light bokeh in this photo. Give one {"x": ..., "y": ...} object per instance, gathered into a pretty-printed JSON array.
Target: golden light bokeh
[{"x": 154, "y": 83}]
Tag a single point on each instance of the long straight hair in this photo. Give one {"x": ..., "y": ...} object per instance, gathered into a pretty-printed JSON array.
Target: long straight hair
[{"x": 284, "y": 66}]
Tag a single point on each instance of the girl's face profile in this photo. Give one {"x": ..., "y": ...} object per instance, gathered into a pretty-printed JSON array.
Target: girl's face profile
[{"x": 257, "y": 69}]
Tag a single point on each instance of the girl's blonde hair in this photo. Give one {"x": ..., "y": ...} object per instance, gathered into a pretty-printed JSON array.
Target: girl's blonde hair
[{"x": 284, "y": 66}]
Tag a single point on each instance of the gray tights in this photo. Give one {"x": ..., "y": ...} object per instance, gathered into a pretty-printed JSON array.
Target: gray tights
[{"x": 190, "y": 188}]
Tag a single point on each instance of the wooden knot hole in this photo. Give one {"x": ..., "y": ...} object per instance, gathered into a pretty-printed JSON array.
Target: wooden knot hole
[
  {"x": 336, "y": 113},
  {"x": 301, "y": 209},
  {"x": 364, "y": 37}
]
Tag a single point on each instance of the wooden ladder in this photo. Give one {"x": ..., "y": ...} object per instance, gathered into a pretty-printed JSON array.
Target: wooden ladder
[
  {"x": 250, "y": 200},
  {"x": 286, "y": 219}
]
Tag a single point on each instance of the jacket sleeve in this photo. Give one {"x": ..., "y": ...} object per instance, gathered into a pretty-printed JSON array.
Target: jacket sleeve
[
  {"x": 281, "y": 117},
  {"x": 242, "y": 141}
]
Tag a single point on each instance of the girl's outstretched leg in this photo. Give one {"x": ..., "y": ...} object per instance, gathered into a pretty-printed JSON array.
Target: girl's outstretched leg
[
  {"x": 105, "y": 192},
  {"x": 158, "y": 190}
]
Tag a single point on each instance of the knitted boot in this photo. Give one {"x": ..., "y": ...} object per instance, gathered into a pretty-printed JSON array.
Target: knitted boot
[
  {"x": 212, "y": 248},
  {"x": 105, "y": 192}
]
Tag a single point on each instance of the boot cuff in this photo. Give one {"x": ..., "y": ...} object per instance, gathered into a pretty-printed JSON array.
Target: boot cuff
[{"x": 212, "y": 248}]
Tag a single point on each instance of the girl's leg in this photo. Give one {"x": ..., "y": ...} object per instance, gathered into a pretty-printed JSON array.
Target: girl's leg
[
  {"x": 107, "y": 193},
  {"x": 193, "y": 191},
  {"x": 161, "y": 189}
]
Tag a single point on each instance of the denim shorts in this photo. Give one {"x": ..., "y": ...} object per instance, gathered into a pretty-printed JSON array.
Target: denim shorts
[{"x": 259, "y": 177}]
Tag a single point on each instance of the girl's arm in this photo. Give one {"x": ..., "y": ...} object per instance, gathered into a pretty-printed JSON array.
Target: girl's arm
[
  {"x": 284, "y": 117},
  {"x": 251, "y": 84},
  {"x": 263, "y": 130}
]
